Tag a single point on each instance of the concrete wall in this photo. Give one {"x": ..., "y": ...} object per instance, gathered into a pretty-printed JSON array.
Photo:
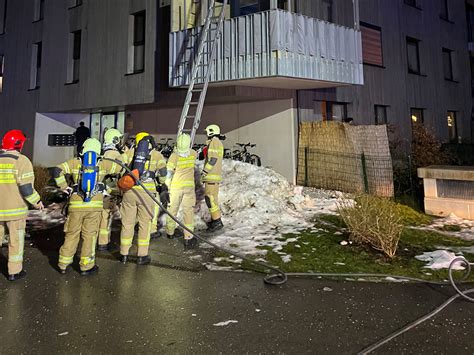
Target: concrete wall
[
  {"x": 272, "y": 125},
  {"x": 393, "y": 86},
  {"x": 54, "y": 124}
]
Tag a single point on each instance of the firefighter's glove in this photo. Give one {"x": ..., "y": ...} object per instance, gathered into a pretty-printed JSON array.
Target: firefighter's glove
[
  {"x": 68, "y": 190},
  {"x": 39, "y": 206}
]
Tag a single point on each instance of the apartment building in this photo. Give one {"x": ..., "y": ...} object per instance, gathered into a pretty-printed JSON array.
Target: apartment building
[{"x": 124, "y": 63}]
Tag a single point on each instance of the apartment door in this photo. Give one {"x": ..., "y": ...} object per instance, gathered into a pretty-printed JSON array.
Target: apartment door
[{"x": 101, "y": 122}]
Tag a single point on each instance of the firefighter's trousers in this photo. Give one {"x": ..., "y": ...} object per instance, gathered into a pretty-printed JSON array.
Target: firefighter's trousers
[
  {"x": 211, "y": 195},
  {"x": 110, "y": 206},
  {"x": 136, "y": 206},
  {"x": 80, "y": 225},
  {"x": 16, "y": 230},
  {"x": 184, "y": 198}
]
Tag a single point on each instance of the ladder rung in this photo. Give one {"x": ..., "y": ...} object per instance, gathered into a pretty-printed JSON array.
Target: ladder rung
[
  {"x": 196, "y": 90},
  {"x": 194, "y": 103},
  {"x": 190, "y": 116}
]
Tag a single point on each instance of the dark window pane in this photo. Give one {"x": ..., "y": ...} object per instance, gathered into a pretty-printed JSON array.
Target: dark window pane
[
  {"x": 139, "y": 58},
  {"x": 413, "y": 56},
  {"x": 77, "y": 45},
  {"x": 447, "y": 64},
  {"x": 380, "y": 114},
  {"x": 139, "y": 29},
  {"x": 3, "y": 15},
  {"x": 444, "y": 9}
]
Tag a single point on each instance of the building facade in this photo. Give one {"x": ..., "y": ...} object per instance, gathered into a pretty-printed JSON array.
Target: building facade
[{"x": 123, "y": 63}]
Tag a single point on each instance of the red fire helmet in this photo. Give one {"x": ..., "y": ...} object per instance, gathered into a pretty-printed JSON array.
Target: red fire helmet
[{"x": 13, "y": 140}]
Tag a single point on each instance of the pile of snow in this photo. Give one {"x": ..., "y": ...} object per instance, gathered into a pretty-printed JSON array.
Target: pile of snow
[
  {"x": 50, "y": 217},
  {"x": 467, "y": 226},
  {"x": 259, "y": 205},
  {"x": 439, "y": 259}
]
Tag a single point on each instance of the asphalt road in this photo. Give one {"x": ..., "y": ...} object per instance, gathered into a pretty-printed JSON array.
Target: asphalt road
[{"x": 159, "y": 309}]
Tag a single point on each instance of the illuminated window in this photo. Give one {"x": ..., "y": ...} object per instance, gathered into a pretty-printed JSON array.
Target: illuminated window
[
  {"x": 417, "y": 115},
  {"x": 452, "y": 127}
]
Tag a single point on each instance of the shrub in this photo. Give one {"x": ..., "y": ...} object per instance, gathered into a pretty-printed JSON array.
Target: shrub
[
  {"x": 374, "y": 221},
  {"x": 42, "y": 178}
]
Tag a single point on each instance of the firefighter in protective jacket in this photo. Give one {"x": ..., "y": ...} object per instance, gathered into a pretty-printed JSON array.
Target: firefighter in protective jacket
[
  {"x": 211, "y": 175},
  {"x": 86, "y": 174},
  {"x": 17, "y": 190},
  {"x": 111, "y": 150},
  {"x": 180, "y": 181},
  {"x": 149, "y": 166}
]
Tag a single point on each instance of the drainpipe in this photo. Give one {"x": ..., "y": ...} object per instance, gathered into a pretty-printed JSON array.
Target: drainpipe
[
  {"x": 355, "y": 6},
  {"x": 273, "y": 4}
]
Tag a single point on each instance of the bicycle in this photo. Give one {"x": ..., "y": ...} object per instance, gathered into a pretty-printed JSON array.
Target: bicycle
[
  {"x": 242, "y": 154},
  {"x": 165, "y": 147}
]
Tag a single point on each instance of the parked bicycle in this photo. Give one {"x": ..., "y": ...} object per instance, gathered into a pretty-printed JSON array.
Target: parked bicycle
[
  {"x": 242, "y": 154},
  {"x": 165, "y": 147}
]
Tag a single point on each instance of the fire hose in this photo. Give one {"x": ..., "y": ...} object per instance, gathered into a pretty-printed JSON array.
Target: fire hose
[{"x": 279, "y": 277}]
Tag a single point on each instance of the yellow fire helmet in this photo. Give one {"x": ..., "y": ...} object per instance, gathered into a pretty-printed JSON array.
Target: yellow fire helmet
[
  {"x": 183, "y": 144},
  {"x": 91, "y": 145},
  {"x": 213, "y": 130},
  {"x": 140, "y": 136},
  {"x": 112, "y": 136}
]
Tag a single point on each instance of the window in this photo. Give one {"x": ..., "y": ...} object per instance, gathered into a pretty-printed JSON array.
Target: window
[
  {"x": 74, "y": 56},
  {"x": 39, "y": 10},
  {"x": 413, "y": 54},
  {"x": 417, "y": 115},
  {"x": 74, "y": 3},
  {"x": 380, "y": 114},
  {"x": 414, "y": 3},
  {"x": 2, "y": 66},
  {"x": 452, "y": 127},
  {"x": 448, "y": 64},
  {"x": 136, "y": 62},
  {"x": 444, "y": 10},
  {"x": 249, "y": 7},
  {"x": 330, "y": 111},
  {"x": 35, "y": 72},
  {"x": 371, "y": 44},
  {"x": 3, "y": 16}
]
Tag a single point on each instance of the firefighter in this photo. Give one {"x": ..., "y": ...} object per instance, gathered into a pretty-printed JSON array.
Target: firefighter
[
  {"x": 150, "y": 166},
  {"x": 111, "y": 149},
  {"x": 17, "y": 190},
  {"x": 211, "y": 175},
  {"x": 85, "y": 206},
  {"x": 180, "y": 181}
]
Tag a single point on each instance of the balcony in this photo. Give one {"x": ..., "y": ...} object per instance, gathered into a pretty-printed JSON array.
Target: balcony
[{"x": 274, "y": 48}]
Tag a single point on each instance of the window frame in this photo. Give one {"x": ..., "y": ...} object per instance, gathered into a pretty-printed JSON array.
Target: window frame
[
  {"x": 37, "y": 65},
  {"x": 455, "y": 119},
  {"x": 449, "y": 52},
  {"x": 411, "y": 40},
  {"x": 76, "y": 57},
  {"x": 39, "y": 11},
  {"x": 422, "y": 111},
  {"x": 413, "y": 3},
  {"x": 385, "y": 108},
  {"x": 134, "y": 44},
  {"x": 376, "y": 28},
  {"x": 446, "y": 13},
  {"x": 3, "y": 28}
]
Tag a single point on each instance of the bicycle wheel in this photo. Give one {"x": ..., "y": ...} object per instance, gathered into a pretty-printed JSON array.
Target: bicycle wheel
[
  {"x": 255, "y": 160},
  {"x": 236, "y": 155}
]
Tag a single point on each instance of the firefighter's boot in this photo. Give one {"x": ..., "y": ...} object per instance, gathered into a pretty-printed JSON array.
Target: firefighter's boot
[
  {"x": 144, "y": 260},
  {"x": 15, "y": 277},
  {"x": 216, "y": 225},
  {"x": 190, "y": 243}
]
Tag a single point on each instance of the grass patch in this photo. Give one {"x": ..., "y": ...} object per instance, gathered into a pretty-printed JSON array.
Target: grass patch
[
  {"x": 410, "y": 217},
  {"x": 322, "y": 252},
  {"x": 450, "y": 228}
]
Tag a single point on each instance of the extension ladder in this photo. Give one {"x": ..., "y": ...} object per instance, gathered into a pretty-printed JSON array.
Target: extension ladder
[{"x": 210, "y": 33}]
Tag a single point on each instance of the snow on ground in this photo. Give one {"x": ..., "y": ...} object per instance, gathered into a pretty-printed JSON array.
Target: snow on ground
[
  {"x": 439, "y": 259},
  {"x": 259, "y": 205},
  {"x": 467, "y": 226},
  {"x": 50, "y": 217}
]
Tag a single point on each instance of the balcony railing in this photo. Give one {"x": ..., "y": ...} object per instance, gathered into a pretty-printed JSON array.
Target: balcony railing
[{"x": 274, "y": 44}]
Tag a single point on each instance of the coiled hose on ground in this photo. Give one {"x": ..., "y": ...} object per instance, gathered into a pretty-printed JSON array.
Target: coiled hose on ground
[{"x": 279, "y": 277}]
